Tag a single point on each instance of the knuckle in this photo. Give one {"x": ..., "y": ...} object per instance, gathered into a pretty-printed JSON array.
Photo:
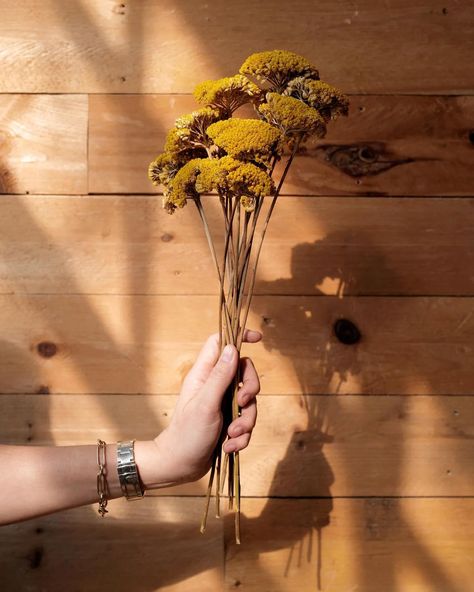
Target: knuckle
[
  {"x": 212, "y": 343},
  {"x": 244, "y": 441},
  {"x": 221, "y": 370},
  {"x": 207, "y": 409},
  {"x": 255, "y": 387}
]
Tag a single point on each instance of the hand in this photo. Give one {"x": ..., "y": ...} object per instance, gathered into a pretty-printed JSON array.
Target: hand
[{"x": 187, "y": 444}]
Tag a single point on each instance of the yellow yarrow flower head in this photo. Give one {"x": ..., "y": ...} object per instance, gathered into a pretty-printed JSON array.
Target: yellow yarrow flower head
[
  {"x": 278, "y": 67},
  {"x": 191, "y": 128},
  {"x": 327, "y": 99},
  {"x": 246, "y": 181},
  {"x": 162, "y": 169},
  {"x": 179, "y": 147},
  {"x": 183, "y": 186},
  {"x": 246, "y": 139},
  {"x": 188, "y": 138},
  {"x": 227, "y": 94},
  {"x": 293, "y": 117},
  {"x": 243, "y": 180}
]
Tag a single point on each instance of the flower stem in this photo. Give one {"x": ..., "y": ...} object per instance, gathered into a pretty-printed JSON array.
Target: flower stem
[{"x": 262, "y": 236}]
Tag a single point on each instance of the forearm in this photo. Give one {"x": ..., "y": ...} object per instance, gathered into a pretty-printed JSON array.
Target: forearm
[{"x": 46, "y": 479}]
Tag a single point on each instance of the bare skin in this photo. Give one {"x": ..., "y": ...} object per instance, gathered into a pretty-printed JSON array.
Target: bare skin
[{"x": 53, "y": 478}]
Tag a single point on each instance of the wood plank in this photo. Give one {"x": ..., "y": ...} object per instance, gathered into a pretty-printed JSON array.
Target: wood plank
[
  {"x": 43, "y": 143},
  {"x": 341, "y": 446},
  {"x": 389, "y": 145},
  {"x": 111, "y": 47},
  {"x": 150, "y": 545},
  {"x": 420, "y": 545},
  {"x": 375, "y": 544},
  {"x": 146, "y": 344},
  {"x": 129, "y": 245}
]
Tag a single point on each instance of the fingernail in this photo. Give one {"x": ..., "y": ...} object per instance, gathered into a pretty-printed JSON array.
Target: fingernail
[
  {"x": 227, "y": 354},
  {"x": 253, "y": 333}
]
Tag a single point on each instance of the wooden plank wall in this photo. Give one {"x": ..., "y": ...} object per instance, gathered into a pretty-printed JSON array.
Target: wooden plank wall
[{"x": 105, "y": 299}]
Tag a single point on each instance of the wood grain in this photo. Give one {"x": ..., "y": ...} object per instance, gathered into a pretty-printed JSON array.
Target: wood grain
[
  {"x": 140, "y": 344},
  {"x": 102, "y": 292},
  {"x": 146, "y": 546},
  {"x": 43, "y": 143},
  {"x": 389, "y": 145},
  {"x": 130, "y": 245},
  {"x": 340, "y": 446},
  {"x": 420, "y": 545},
  {"x": 157, "y": 46},
  {"x": 376, "y": 544}
]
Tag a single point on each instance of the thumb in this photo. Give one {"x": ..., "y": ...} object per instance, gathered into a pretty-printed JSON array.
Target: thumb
[{"x": 220, "y": 378}]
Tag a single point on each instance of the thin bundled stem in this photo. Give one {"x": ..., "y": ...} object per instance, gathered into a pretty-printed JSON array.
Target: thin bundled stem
[
  {"x": 262, "y": 236},
  {"x": 234, "y": 273},
  {"x": 210, "y": 242}
]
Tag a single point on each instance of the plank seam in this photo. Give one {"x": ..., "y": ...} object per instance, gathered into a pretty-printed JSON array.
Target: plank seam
[
  {"x": 446, "y": 94},
  {"x": 298, "y": 394},
  {"x": 293, "y": 195},
  {"x": 257, "y": 295},
  {"x": 310, "y": 497}
]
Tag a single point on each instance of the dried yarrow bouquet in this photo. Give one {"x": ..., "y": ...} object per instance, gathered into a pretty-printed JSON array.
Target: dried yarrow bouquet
[{"x": 210, "y": 151}]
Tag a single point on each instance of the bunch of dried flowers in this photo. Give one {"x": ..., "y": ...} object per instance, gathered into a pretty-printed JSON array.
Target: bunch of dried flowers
[{"x": 210, "y": 151}]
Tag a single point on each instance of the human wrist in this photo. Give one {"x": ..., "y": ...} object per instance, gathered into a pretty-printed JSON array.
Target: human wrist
[{"x": 151, "y": 464}]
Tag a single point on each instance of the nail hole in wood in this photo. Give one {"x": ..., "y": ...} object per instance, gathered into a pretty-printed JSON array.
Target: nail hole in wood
[{"x": 36, "y": 557}]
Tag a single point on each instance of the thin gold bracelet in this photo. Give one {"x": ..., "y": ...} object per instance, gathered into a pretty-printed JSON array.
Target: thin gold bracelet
[{"x": 102, "y": 487}]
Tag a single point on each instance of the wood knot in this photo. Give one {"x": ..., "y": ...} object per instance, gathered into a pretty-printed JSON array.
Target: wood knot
[
  {"x": 167, "y": 237},
  {"x": 47, "y": 349},
  {"x": 346, "y": 332},
  {"x": 300, "y": 444},
  {"x": 360, "y": 160},
  {"x": 43, "y": 390}
]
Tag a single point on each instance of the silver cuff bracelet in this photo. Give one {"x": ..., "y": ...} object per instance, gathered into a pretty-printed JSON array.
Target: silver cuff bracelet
[{"x": 129, "y": 478}]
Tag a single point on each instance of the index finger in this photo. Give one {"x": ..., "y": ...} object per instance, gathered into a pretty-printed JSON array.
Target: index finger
[{"x": 209, "y": 354}]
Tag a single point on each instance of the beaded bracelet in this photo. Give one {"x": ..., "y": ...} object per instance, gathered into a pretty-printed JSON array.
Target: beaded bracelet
[{"x": 102, "y": 487}]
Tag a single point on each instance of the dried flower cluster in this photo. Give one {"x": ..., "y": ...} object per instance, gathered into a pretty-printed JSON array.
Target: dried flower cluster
[
  {"x": 277, "y": 68},
  {"x": 211, "y": 151},
  {"x": 227, "y": 94}
]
